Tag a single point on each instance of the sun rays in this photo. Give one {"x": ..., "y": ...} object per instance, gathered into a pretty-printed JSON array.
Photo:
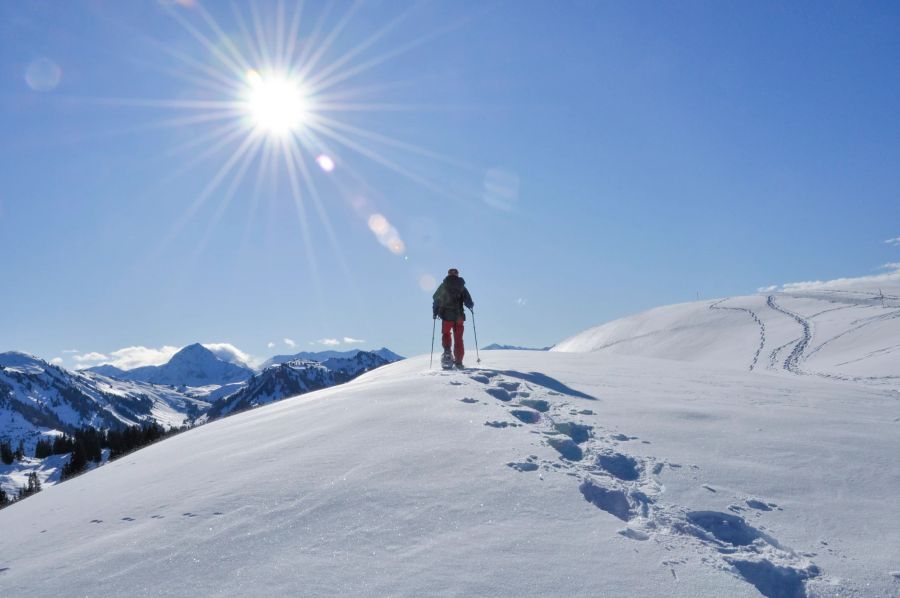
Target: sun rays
[{"x": 279, "y": 93}]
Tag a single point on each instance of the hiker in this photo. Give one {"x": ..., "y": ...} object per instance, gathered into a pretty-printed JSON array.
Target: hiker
[{"x": 449, "y": 299}]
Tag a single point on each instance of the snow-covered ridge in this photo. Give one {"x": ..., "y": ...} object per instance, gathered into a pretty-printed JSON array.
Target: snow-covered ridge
[{"x": 845, "y": 334}]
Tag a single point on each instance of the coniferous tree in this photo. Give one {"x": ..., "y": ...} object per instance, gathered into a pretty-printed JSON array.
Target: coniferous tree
[
  {"x": 77, "y": 462},
  {"x": 4, "y": 499},
  {"x": 62, "y": 445},
  {"x": 43, "y": 449},
  {"x": 34, "y": 484},
  {"x": 20, "y": 451},
  {"x": 6, "y": 452}
]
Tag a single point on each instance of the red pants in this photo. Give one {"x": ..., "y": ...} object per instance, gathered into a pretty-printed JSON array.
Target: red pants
[{"x": 457, "y": 327}]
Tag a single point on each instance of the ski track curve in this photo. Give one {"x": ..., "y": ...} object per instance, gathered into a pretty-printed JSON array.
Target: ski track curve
[
  {"x": 760, "y": 323},
  {"x": 773, "y": 356},
  {"x": 798, "y": 353},
  {"x": 627, "y": 486},
  {"x": 792, "y": 361}
]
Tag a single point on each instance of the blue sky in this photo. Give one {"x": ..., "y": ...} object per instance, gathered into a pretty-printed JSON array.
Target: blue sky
[{"x": 577, "y": 161}]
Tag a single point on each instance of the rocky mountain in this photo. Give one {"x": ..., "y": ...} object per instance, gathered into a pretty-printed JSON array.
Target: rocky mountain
[{"x": 194, "y": 365}]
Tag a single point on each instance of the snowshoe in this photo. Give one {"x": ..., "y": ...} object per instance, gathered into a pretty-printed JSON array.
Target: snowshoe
[{"x": 447, "y": 360}]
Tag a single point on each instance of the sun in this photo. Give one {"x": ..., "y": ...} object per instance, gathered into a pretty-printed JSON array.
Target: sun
[{"x": 276, "y": 104}]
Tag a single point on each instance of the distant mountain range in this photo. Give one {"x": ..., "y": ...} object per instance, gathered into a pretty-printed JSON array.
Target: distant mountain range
[
  {"x": 40, "y": 400},
  {"x": 383, "y": 352}
]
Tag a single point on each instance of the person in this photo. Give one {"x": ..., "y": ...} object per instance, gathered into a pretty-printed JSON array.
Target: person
[{"x": 449, "y": 299}]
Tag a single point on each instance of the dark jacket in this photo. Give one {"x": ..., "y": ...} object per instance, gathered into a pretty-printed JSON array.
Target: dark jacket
[{"x": 449, "y": 299}]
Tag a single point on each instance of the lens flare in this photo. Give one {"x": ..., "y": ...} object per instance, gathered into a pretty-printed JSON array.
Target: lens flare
[
  {"x": 386, "y": 234},
  {"x": 43, "y": 75},
  {"x": 325, "y": 163},
  {"x": 378, "y": 224},
  {"x": 427, "y": 283}
]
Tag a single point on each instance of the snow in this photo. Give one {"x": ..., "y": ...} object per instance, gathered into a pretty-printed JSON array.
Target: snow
[
  {"x": 845, "y": 334},
  {"x": 694, "y": 481}
]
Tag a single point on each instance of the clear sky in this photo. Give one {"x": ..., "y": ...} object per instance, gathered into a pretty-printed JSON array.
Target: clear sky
[{"x": 577, "y": 161}]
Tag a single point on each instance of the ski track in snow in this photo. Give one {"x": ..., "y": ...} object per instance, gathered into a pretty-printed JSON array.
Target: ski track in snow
[
  {"x": 798, "y": 353},
  {"x": 792, "y": 361},
  {"x": 776, "y": 352},
  {"x": 628, "y": 487},
  {"x": 752, "y": 314}
]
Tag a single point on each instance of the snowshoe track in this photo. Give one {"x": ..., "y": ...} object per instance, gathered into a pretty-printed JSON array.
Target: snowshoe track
[
  {"x": 760, "y": 323},
  {"x": 627, "y": 486},
  {"x": 792, "y": 361}
]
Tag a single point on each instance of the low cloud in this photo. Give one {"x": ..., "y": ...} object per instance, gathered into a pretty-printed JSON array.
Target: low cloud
[
  {"x": 71, "y": 351},
  {"x": 271, "y": 345},
  {"x": 139, "y": 356},
  {"x": 57, "y": 361},
  {"x": 290, "y": 343},
  {"x": 353, "y": 341},
  {"x": 871, "y": 281},
  {"x": 894, "y": 241},
  {"x": 329, "y": 342},
  {"x": 85, "y": 357},
  {"x": 768, "y": 289},
  {"x": 230, "y": 353}
]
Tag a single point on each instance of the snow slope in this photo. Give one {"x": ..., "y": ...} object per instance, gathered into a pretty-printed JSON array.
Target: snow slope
[
  {"x": 681, "y": 480},
  {"x": 847, "y": 333}
]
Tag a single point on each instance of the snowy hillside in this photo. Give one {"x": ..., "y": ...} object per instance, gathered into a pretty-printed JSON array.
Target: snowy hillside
[
  {"x": 542, "y": 474},
  {"x": 847, "y": 333}
]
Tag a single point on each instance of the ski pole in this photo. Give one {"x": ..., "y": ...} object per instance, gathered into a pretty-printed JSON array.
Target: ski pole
[
  {"x": 475, "y": 330},
  {"x": 433, "y": 325}
]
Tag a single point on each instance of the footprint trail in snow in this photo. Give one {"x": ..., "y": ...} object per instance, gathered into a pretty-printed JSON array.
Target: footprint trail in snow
[{"x": 627, "y": 486}]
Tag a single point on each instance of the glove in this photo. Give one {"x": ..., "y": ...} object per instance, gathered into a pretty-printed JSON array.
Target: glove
[{"x": 434, "y": 317}]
